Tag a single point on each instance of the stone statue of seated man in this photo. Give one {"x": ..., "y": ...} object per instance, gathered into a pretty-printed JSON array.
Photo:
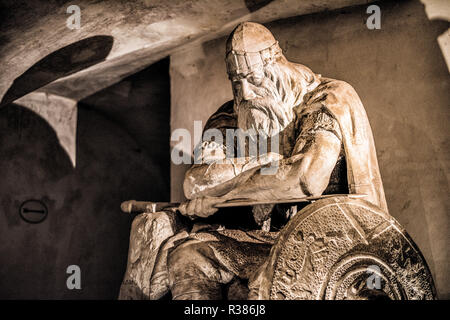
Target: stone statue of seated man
[{"x": 324, "y": 146}]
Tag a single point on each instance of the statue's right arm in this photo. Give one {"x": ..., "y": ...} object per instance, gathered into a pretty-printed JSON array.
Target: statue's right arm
[{"x": 219, "y": 177}]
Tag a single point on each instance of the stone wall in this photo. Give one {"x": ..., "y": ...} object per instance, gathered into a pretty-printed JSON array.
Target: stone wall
[{"x": 122, "y": 153}]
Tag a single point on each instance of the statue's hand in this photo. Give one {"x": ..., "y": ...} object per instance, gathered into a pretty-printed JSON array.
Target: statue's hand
[
  {"x": 270, "y": 157},
  {"x": 201, "y": 207}
]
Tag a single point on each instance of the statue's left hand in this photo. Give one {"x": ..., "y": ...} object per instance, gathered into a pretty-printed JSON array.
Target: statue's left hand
[{"x": 201, "y": 207}]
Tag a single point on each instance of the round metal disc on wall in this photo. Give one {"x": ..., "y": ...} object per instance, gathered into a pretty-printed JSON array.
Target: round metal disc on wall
[{"x": 33, "y": 211}]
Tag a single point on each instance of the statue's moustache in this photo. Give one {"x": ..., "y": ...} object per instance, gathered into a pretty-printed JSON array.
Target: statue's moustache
[{"x": 271, "y": 108}]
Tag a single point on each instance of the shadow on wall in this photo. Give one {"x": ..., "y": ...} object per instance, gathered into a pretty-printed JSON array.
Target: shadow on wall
[
  {"x": 85, "y": 226},
  {"x": 254, "y": 5},
  {"x": 60, "y": 63}
]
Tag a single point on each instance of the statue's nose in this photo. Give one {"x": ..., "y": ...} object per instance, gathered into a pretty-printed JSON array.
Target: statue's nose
[{"x": 247, "y": 92}]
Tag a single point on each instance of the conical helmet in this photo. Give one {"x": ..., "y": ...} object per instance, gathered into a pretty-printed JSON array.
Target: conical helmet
[{"x": 250, "y": 45}]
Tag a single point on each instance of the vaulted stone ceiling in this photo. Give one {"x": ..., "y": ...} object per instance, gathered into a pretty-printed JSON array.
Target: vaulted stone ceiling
[{"x": 38, "y": 52}]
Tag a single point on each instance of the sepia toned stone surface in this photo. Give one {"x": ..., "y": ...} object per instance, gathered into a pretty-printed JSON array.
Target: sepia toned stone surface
[
  {"x": 148, "y": 232},
  {"x": 409, "y": 140},
  {"x": 410, "y": 133},
  {"x": 143, "y": 31},
  {"x": 321, "y": 143},
  {"x": 333, "y": 248}
]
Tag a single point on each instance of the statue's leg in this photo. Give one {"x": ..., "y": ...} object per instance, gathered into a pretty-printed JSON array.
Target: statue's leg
[
  {"x": 194, "y": 273},
  {"x": 199, "y": 269},
  {"x": 148, "y": 231},
  {"x": 159, "y": 283}
]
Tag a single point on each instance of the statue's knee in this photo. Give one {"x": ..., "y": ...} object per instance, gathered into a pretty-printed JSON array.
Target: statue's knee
[
  {"x": 185, "y": 253},
  {"x": 147, "y": 221},
  {"x": 193, "y": 272},
  {"x": 149, "y": 230},
  {"x": 185, "y": 257}
]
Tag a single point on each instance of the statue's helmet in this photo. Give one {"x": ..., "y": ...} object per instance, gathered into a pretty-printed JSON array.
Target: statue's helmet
[{"x": 249, "y": 46}]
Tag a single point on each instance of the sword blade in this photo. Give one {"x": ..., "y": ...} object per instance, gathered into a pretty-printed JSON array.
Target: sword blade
[{"x": 133, "y": 206}]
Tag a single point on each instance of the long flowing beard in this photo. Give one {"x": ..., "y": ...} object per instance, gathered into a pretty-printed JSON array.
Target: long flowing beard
[
  {"x": 272, "y": 110},
  {"x": 269, "y": 115}
]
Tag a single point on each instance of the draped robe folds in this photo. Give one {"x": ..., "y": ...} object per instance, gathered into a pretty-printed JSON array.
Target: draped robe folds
[{"x": 363, "y": 173}]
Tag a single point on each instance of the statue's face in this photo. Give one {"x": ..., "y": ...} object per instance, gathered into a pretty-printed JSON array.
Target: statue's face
[
  {"x": 258, "y": 101},
  {"x": 248, "y": 86}
]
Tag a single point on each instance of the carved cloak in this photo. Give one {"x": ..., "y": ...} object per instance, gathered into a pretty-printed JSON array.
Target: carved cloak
[
  {"x": 339, "y": 97},
  {"x": 343, "y": 102}
]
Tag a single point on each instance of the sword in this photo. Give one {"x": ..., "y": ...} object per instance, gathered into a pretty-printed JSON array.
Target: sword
[{"x": 133, "y": 206}]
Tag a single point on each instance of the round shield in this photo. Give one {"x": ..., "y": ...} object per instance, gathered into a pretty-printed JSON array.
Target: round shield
[{"x": 341, "y": 248}]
